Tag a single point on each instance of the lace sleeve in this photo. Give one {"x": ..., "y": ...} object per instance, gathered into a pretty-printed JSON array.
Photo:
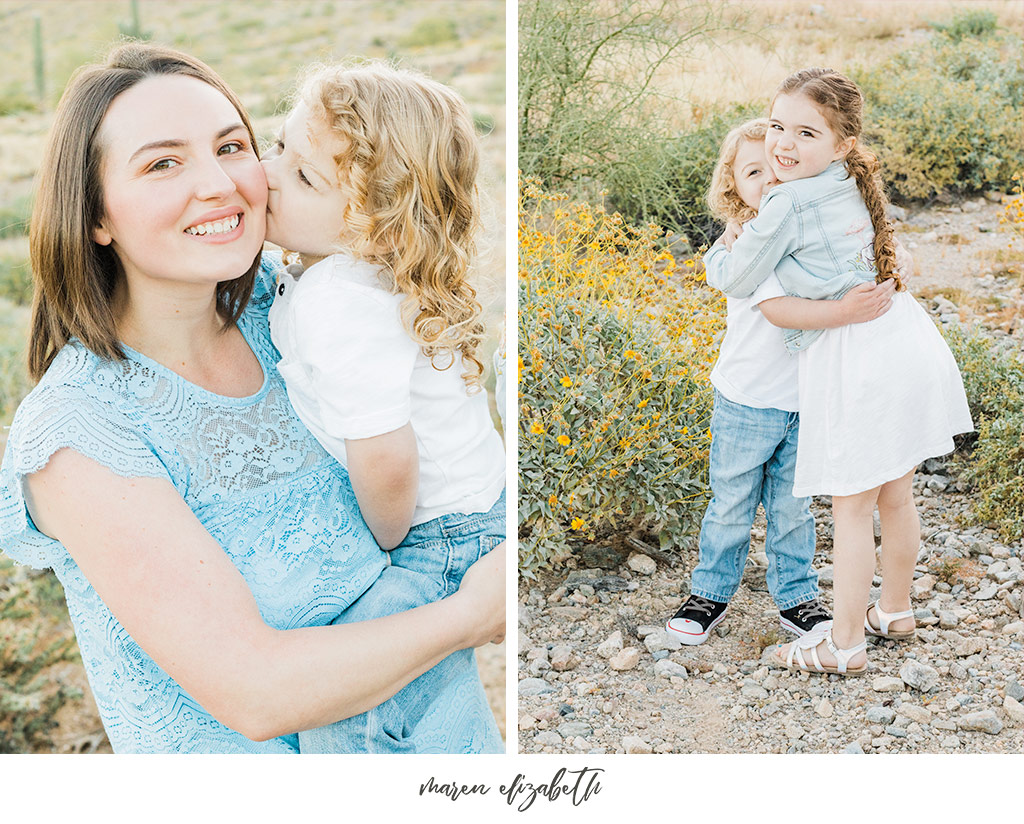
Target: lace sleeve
[{"x": 52, "y": 418}]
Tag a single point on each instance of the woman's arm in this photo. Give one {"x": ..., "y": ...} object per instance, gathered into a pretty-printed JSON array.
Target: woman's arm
[
  {"x": 183, "y": 601},
  {"x": 385, "y": 472},
  {"x": 861, "y": 304}
]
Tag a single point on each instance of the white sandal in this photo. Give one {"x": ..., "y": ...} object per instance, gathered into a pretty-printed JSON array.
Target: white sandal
[
  {"x": 884, "y": 620},
  {"x": 795, "y": 660}
]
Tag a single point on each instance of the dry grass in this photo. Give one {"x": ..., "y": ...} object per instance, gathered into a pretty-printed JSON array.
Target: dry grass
[{"x": 769, "y": 40}]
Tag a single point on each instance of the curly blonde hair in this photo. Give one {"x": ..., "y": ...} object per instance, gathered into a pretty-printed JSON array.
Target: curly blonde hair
[
  {"x": 723, "y": 199},
  {"x": 408, "y": 165}
]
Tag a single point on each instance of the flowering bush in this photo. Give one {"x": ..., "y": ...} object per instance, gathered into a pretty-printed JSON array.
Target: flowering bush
[{"x": 616, "y": 344}]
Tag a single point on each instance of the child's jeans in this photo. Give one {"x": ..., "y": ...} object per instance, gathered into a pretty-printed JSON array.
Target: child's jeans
[
  {"x": 753, "y": 460},
  {"x": 445, "y": 710}
]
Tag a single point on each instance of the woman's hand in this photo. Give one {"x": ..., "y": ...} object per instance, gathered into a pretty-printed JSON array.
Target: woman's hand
[
  {"x": 867, "y": 301},
  {"x": 482, "y": 594}
]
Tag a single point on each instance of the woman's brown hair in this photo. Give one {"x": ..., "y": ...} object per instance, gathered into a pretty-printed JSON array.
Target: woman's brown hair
[
  {"x": 76, "y": 278},
  {"x": 842, "y": 105}
]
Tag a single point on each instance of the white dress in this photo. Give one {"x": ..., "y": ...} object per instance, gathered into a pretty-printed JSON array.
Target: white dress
[{"x": 876, "y": 399}]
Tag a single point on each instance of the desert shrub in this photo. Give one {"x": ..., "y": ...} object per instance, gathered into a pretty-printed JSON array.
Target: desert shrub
[
  {"x": 968, "y": 24},
  {"x": 616, "y": 342},
  {"x": 14, "y": 217},
  {"x": 429, "y": 32},
  {"x": 15, "y": 278},
  {"x": 996, "y": 473},
  {"x": 29, "y": 697},
  {"x": 590, "y": 115},
  {"x": 944, "y": 117},
  {"x": 993, "y": 381},
  {"x": 994, "y": 466},
  {"x": 667, "y": 181}
]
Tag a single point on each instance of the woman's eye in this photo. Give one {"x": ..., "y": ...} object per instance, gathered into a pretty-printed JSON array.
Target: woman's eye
[
  {"x": 231, "y": 148},
  {"x": 163, "y": 164},
  {"x": 754, "y": 172},
  {"x": 304, "y": 179}
]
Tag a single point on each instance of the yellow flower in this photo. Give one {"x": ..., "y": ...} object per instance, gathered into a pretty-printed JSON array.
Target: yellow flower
[
  {"x": 578, "y": 523},
  {"x": 642, "y": 403},
  {"x": 630, "y": 354},
  {"x": 536, "y": 428},
  {"x": 552, "y": 501},
  {"x": 688, "y": 263},
  {"x": 566, "y": 381},
  {"x": 564, "y": 440}
]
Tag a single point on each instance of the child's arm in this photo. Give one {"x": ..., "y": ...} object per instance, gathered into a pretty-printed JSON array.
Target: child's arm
[
  {"x": 359, "y": 360},
  {"x": 861, "y": 304},
  {"x": 756, "y": 252},
  {"x": 385, "y": 474}
]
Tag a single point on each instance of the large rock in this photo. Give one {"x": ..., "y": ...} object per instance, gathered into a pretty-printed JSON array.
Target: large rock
[
  {"x": 534, "y": 686},
  {"x": 611, "y": 645},
  {"x": 625, "y": 659},
  {"x": 919, "y": 676},
  {"x": 983, "y": 721}
]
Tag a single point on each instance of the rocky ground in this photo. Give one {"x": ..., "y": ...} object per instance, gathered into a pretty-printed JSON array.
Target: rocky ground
[{"x": 598, "y": 673}]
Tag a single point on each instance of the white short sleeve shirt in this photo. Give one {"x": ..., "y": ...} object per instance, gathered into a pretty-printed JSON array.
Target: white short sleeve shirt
[
  {"x": 353, "y": 372},
  {"x": 754, "y": 367}
]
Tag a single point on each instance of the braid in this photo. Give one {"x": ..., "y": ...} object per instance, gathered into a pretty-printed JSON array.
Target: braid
[
  {"x": 865, "y": 170},
  {"x": 842, "y": 105}
]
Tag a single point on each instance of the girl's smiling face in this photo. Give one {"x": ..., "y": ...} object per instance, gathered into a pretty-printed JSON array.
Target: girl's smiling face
[
  {"x": 752, "y": 173},
  {"x": 184, "y": 198},
  {"x": 799, "y": 142},
  {"x": 306, "y": 202}
]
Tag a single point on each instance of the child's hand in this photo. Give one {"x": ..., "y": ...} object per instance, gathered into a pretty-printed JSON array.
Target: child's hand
[
  {"x": 732, "y": 231},
  {"x": 867, "y": 301}
]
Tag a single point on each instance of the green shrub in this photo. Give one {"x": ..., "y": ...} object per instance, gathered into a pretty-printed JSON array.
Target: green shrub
[
  {"x": 996, "y": 473},
  {"x": 667, "y": 180},
  {"x": 946, "y": 116},
  {"x": 14, "y": 217},
  {"x": 29, "y": 697},
  {"x": 616, "y": 344},
  {"x": 994, "y": 382},
  {"x": 994, "y": 466},
  {"x": 968, "y": 24},
  {"x": 15, "y": 279},
  {"x": 429, "y": 32},
  {"x": 590, "y": 114}
]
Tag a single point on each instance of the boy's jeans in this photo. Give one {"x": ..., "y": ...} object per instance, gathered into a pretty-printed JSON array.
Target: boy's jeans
[{"x": 753, "y": 459}]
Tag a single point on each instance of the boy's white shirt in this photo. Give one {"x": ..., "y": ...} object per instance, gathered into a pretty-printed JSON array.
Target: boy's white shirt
[
  {"x": 754, "y": 367},
  {"x": 352, "y": 371}
]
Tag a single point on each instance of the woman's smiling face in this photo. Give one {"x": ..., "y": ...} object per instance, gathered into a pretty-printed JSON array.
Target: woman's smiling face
[
  {"x": 799, "y": 142},
  {"x": 184, "y": 196}
]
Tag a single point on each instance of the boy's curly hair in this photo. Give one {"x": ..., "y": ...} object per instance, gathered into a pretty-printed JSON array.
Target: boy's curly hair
[
  {"x": 408, "y": 164},
  {"x": 723, "y": 199}
]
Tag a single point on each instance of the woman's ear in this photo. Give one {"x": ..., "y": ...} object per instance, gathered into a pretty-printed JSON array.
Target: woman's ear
[{"x": 101, "y": 236}]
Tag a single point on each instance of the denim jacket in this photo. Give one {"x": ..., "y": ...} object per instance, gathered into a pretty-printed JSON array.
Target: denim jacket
[{"x": 814, "y": 233}]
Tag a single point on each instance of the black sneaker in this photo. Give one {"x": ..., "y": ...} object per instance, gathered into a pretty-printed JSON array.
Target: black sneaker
[
  {"x": 696, "y": 618},
  {"x": 802, "y": 618}
]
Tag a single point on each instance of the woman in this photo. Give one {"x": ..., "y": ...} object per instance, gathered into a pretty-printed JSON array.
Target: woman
[{"x": 211, "y": 553}]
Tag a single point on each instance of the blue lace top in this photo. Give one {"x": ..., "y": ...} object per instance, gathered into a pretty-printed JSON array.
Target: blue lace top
[{"x": 254, "y": 476}]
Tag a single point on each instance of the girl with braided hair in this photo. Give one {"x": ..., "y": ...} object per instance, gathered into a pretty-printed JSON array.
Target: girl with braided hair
[{"x": 876, "y": 398}]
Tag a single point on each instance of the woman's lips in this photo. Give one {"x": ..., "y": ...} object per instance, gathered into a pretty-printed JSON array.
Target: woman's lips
[{"x": 225, "y": 230}]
